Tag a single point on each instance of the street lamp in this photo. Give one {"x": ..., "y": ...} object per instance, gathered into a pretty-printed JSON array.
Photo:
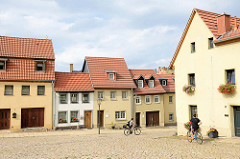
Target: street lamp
[{"x": 99, "y": 100}]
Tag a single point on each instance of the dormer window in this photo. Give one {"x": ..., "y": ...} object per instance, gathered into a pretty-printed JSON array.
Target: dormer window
[
  {"x": 164, "y": 82},
  {"x": 3, "y": 64},
  {"x": 151, "y": 84},
  {"x": 111, "y": 76},
  {"x": 140, "y": 83},
  {"x": 40, "y": 65}
]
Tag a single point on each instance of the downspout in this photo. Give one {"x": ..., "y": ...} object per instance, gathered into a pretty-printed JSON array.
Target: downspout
[
  {"x": 132, "y": 104},
  {"x": 52, "y": 124}
]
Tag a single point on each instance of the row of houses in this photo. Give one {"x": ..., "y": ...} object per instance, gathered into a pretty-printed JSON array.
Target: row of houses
[{"x": 34, "y": 95}]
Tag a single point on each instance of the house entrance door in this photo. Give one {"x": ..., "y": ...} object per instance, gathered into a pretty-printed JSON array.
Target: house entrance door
[
  {"x": 137, "y": 119},
  {"x": 87, "y": 119},
  {"x": 4, "y": 119},
  {"x": 101, "y": 117},
  {"x": 237, "y": 120}
]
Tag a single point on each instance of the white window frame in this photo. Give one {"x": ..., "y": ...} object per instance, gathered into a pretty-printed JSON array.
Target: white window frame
[
  {"x": 83, "y": 97},
  {"x": 42, "y": 62},
  {"x": 149, "y": 83},
  {"x": 157, "y": 98},
  {"x": 164, "y": 82},
  {"x": 169, "y": 99},
  {"x": 66, "y": 116},
  {"x": 77, "y": 96},
  {"x": 4, "y": 65},
  {"x": 71, "y": 116},
  {"x": 113, "y": 76},
  {"x": 149, "y": 99},
  {"x": 138, "y": 97},
  {"x": 119, "y": 115},
  {"x": 101, "y": 92},
  {"x": 60, "y": 98},
  {"x": 113, "y": 95},
  {"x": 126, "y": 94},
  {"x": 171, "y": 114},
  {"x": 140, "y": 83}
]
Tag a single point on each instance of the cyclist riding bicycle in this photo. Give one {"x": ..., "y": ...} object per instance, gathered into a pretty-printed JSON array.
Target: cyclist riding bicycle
[
  {"x": 195, "y": 122},
  {"x": 131, "y": 124}
]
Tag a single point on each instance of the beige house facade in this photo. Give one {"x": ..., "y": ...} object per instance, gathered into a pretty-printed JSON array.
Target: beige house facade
[{"x": 206, "y": 57}]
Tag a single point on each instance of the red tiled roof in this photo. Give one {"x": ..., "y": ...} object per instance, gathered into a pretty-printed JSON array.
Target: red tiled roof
[
  {"x": 24, "y": 69},
  {"x": 170, "y": 82},
  {"x": 73, "y": 81},
  {"x": 97, "y": 67},
  {"x": 210, "y": 19},
  {"x": 146, "y": 90},
  {"x": 26, "y": 48}
]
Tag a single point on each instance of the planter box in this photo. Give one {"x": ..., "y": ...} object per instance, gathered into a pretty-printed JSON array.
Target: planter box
[{"x": 213, "y": 134}]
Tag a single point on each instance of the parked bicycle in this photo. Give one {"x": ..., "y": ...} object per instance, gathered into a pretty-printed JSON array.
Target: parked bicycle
[
  {"x": 128, "y": 131},
  {"x": 197, "y": 136}
]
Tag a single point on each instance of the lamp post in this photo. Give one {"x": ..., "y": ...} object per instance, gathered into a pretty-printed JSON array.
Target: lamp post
[{"x": 99, "y": 100}]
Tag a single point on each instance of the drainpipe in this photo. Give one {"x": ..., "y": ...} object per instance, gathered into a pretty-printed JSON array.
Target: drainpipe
[
  {"x": 52, "y": 123},
  {"x": 132, "y": 104}
]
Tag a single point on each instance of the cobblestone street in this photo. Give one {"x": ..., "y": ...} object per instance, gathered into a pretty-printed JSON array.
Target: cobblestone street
[{"x": 152, "y": 143}]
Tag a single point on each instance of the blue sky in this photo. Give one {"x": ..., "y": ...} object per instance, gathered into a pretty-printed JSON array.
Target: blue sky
[{"x": 144, "y": 32}]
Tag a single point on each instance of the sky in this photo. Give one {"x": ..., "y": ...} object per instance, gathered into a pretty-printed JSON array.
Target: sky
[{"x": 144, "y": 32}]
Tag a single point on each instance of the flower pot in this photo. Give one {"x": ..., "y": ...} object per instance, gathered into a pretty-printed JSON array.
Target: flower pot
[{"x": 213, "y": 134}]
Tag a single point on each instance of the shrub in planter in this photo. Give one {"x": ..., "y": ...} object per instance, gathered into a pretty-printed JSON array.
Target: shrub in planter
[
  {"x": 187, "y": 125},
  {"x": 74, "y": 119},
  {"x": 189, "y": 89},
  {"x": 62, "y": 121},
  {"x": 212, "y": 133},
  {"x": 227, "y": 88}
]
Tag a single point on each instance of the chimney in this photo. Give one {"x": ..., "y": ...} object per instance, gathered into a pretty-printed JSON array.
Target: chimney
[
  {"x": 71, "y": 67},
  {"x": 223, "y": 21}
]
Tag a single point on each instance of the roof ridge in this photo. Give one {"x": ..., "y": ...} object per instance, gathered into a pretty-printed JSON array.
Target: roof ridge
[
  {"x": 104, "y": 57},
  {"x": 24, "y": 38},
  {"x": 72, "y": 72}
]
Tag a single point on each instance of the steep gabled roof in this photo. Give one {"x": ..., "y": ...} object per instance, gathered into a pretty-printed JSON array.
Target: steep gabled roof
[
  {"x": 17, "y": 47},
  {"x": 97, "y": 67},
  {"x": 170, "y": 81},
  {"x": 72, "y": 81},
  {"x": 146, "y": 90},
  {"x": 210, "y": 19}
]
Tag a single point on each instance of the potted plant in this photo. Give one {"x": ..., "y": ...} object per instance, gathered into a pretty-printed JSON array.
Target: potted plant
[
  {"x": 62, "y": 120},
  {"x": 227, "y": 88},
  {"x": 74, "y": 119},
  {"x": 212, "y": 133},
  {"x": 113, "y": 125},
  {"x": 189, "y": 89},
  {"x": 187, "y": 125}
]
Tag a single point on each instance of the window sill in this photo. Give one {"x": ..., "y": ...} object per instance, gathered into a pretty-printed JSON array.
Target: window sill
[
  {"x": 170, "y": 102},
  {"x": 124, "y": 98},
  {"x": 148, "y": 103},
  {"x": 74, "y": 103},
  {"x": 25, "y": 94},
  {"x": 121, "y": 119},
  {"x": 63, "y": 103},
  {"x": 8, "y": 94},
  {"x": 114, "y": 99},
  {"x": 85, "y": 102},
  {"x": 157, "y": 102},
  {"x": 138, "y": 103}
]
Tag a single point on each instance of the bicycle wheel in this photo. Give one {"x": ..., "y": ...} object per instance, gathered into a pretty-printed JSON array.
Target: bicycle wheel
[
  {"x": 189, "y": 136},
  {"x": 199, "y": 138},
  {"x": 137, "y": 131},
  {"x": 127, "y": 132}
]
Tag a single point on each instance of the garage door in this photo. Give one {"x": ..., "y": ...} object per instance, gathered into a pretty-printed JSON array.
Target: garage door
[
  {"x": 152, "y": 118},
  {"x": 32, "y": 117}
]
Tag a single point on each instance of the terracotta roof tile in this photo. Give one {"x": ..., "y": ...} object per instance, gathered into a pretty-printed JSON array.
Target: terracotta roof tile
[
  {"x": 146, "y": 90},
  {"x": 72, "y": 81},
  {"x": 24, "y": 69},
  {"x": 97, "y": 67},
  {"x": 26, "y": 48},
  {"x": 170, "y": 82}
]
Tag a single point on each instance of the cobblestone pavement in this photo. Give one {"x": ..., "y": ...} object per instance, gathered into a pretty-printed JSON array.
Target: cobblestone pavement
[{"x": 153, "y": 143}]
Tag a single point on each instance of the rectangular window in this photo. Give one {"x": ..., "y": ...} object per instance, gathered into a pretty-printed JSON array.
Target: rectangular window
[
  {"x": 193, "y": 110},
  {"x": 2, "y": 65},
  {"x": 8, "y": 90},
  {"x": 210, "y": 43},
  {"x": 193, "y": 49},
  {"x": 25, "y": 90},
  {"x": 85, "y": 98},
  {"x": 111, "y": 76},
  {"x": 120, "y": 115},
  {"x": 138, "y": 100},
  {"x": 170, "y": 99},
  {"x": 191, "y": 78},
  {"x": 63, "y": 98},
  {"x": 113, "y": 95},
  {"x": 41, "y": 90},
  {"x": 171, "y": 117},
  {"x": 40, "y": 66},
  {"x": 156, "y": 99},
  {"x": 148, "y": 100},
  {"x": 124, "y": 94},
  {"x": 74, "y": 97},
  {"x": 151, "y": 84},
  {"x": 230, "y": 76},
  {"x": 100, "y": 95},
  {"x": 62, "y": 117},
  {"x": 74, "y": 116},
  {"x": 140, "y": 83},
  {"x": 164, "y": 82}
]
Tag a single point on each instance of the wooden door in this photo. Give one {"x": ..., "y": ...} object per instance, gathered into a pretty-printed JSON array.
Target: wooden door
[
  {"x": 4, "y": 119},
  {"x": 32, "y": 117},
  {"x": 237, "y": 121},
  {"x": 88, "y": 119},
  {"x": 152, "y": 118},
  {"x": 101, "y": 117},
  {"x": 137, "y": 119}
]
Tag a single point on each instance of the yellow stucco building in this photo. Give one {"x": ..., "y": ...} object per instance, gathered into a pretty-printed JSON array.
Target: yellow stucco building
[
  {"x": 206, "y": 57},
  {"x": 26, "y": 83}
]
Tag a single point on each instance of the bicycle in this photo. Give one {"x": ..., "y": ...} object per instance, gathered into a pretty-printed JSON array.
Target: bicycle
[
  {"x": 197, "y": 136},
  {"x": 127, "y": 130}
]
